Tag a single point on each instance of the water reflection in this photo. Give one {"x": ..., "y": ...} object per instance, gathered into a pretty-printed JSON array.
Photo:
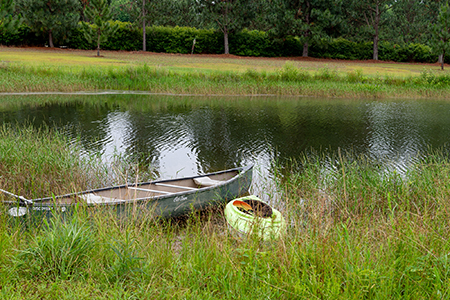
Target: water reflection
[{"x": 181, "y": 136}]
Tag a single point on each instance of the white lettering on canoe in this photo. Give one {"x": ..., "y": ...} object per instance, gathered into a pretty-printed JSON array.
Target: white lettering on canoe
[
  {"x": 17, "y": 211},
  {"x": 180, "y": 198},
  {"x": 63, "y": 209},
  {"x": 42, "y": 208}
]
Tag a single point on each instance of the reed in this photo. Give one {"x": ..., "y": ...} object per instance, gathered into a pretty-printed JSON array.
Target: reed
[
  {"x": 287, "y": 80},
  {"x": 60, "y": 250},
  {"x": 356, "y": 230},
  {"x": 42, "y": 161}
]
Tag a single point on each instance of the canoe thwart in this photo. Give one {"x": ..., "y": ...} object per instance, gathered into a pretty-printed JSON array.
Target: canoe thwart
[
  {"x": 148, "y": 190},
  {"x": 176, "y": 186}
]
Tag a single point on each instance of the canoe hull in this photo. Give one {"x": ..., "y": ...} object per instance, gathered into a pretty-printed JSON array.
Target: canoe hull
[{"x": 166, "y": 206}]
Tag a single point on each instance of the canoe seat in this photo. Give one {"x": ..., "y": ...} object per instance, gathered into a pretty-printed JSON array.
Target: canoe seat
[
  {"x": 94, "y": 199},
  {"x": 206, "y": 181}
]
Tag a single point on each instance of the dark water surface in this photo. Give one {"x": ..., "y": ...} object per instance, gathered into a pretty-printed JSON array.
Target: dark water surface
[{"x": 181, "y": 135}]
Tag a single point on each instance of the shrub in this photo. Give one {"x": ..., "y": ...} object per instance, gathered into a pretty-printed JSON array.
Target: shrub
[
  {"x": 245, "y": 43},
  {"x": 252, "y": 43},
  {"x": 127, "y": 37},
  {"x": 24, "y": 36},
  {"x": 180, "y": 40},
  {"x": 62, "y": 250}
]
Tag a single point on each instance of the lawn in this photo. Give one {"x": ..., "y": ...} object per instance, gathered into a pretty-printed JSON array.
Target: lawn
[
  {"x": 67, "y": 70},
  {"x": 189, "y": 63}
]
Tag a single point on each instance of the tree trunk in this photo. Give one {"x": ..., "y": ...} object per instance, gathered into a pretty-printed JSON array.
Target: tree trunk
[
  {"x": 442, "y": 61},
  {"x": 377, "y": 33},
  {"x": 375, "y": 47},
  {"x": 225, "y": 40},
  {"x": 441, "y": 58},
  {"x": 98, "y": 45},
  {"x": 50, "y": 39},
  {"x": 144, "y": 41},
  {"x": 305, "y": 49},
  {"x": 308, "y": 32}
]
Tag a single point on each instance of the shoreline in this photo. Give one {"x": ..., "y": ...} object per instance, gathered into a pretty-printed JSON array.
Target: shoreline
[{"x": 28, "y": 71}]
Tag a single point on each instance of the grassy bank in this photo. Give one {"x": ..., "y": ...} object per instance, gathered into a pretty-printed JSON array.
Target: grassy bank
[
  {"x": 78, "y": 71},
  {"x": 355, "y": 231},
  {"x": 37, "y": 162}
]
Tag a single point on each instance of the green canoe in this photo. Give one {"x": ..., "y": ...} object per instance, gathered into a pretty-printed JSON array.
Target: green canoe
[{"x": 165, "y": 198}]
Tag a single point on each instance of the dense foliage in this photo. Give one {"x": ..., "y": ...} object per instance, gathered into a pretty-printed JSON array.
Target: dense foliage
[
  {"x": 53, "y": 18},
  {"x": 441, "y": 30},
  {"x": 99, "y": 13},
  {"x": 244, "y": 43},
  {"x": 7, "y": 20},
  {"x": 398, "y": 30}
]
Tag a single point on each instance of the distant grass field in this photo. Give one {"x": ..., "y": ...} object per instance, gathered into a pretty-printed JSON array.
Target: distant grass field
[
  {"x": 67, "y": 70},
  {"x": 58, "y": 57}
]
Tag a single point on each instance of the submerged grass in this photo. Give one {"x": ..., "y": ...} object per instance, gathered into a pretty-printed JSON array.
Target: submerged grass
[{"x": 355, "y": 231}]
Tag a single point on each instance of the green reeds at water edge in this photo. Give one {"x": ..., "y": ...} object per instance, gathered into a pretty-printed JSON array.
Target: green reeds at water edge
[
  {"x": 36, "y": 162},
  {"x": 363, "y": 231},
  {"x": 356, "y": 230},
  {"x": 287, "y": 80}
]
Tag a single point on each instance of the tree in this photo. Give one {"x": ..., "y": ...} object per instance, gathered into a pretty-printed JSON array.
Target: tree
[
  {"x": 173, "y": 13},
  {"x": 158, "y": 12},
  {"x": 441, "y": 32},
  {"x": 53, "y": 17},
  {"x": 7, "y": 19},
  {"x": 228, "y": 15},
  {"x": 121, "y": 9},
  {"x": 409, "y": 20},
  {"x": 369, "y": 17},
  {"x": 99, "y": 13},
  {"x": 310, "y": 20}
]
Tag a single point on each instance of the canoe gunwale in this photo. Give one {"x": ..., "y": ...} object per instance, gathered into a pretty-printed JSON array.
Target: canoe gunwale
[{"x": 38, "y": 202}]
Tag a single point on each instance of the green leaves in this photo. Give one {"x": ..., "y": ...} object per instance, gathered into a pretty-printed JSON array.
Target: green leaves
[
  {"x": 99, "y": 13},
  {"x": 441, "y": 32},
  {"x": 310, "y": 20},
  {"x": 228, "y": 15},
  {"x": 8, "y": 21},
  {"x": 53, "y": 17}
]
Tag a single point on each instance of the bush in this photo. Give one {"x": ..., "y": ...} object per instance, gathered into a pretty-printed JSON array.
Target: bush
[
  {"x": 251, "y": 43},
  {"x": 180, "y": 40},
  {"x": 60, "y": 252},
  {"x": 24, "y": 36},
  {"x": 341, "y": 48},
  {"x": 245, "y": 43},
  {"x": 127, "y": 37}
]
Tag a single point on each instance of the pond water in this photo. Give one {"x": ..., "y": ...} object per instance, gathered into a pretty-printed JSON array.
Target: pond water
[{"x": 187, "y": 135}]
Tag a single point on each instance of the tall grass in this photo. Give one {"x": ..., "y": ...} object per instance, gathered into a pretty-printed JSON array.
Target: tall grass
[
  {"x": 355, "y": 231},
  {"x": 367, "y": 233},
  {"x": 58, "y": 252},
  {"x": 287, "y": 80},
  {"x": 39, "y": 161}
]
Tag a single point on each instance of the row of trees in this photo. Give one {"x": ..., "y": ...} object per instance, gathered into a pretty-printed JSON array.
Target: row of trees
[{"x": 313, "y": 21}]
